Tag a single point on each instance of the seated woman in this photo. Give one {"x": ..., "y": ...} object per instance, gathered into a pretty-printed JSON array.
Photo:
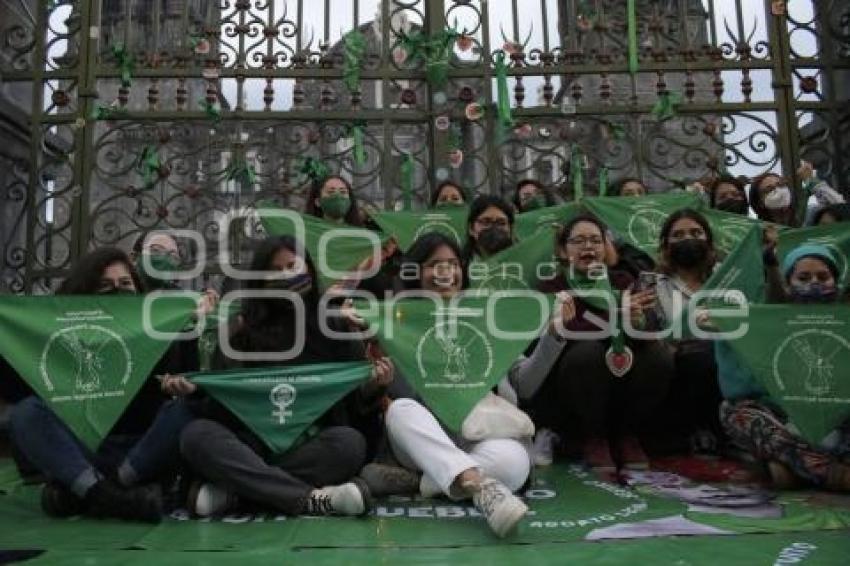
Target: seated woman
[
  {"x": 487, "y": 471},
  {"x": 531, "y": 195},
  {"x": 447, "y": 195},
  {"x": 581, "y": 386},
  {"x": 687, "y": 258},
  {"x": 758, "y": 425},
  {"x": 141, "y": 447},
  {"x": 490, "y": 228},
  {"x": 314, "y": 477},
  {"x": 333, "y": 200}
]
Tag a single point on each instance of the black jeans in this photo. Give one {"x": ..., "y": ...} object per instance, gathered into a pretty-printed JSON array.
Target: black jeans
[
  {"x": 215, "y": 452},
  {"x": 581, "y": 392}
]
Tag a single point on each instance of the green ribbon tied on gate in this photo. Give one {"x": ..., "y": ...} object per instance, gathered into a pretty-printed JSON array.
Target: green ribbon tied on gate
[
  {"x": 239, "y": 170},
  {"x": 358, "y": 135},
  {"x": 149, "y": 165},
  {"x": 407, "y": 182},
  {"x": 354, "y": 48},
  {"x": 504, "y": 119},
  {"x": 667, "y": 105},
  {"x": 434, "y": 50},
  {"x": 633, "y": 36},
  {"x": 211, "y": 109},
  {"x": 603, "y": 181},
  {"x": 577, "y": 173},
  {"x": 314, "y": 169},
  {"x": 616, "y": 131},
  {"x": 101, "y": 112},
  {"x": 125, "y": 63}
]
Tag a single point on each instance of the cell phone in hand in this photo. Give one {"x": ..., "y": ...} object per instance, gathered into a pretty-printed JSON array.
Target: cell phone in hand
[{"x": 647, "y": 281}]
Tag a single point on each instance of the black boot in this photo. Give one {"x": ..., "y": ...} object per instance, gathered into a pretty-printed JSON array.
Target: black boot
[
  {"x": 58, "y": 501},
  {"x": 107, "y": 499}
]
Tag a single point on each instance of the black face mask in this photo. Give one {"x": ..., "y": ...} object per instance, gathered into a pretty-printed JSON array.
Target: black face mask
[
  {"x": 733, "y": 205},
  {"x": 689, "y": 253},
  {"x": 493, "y": 240}
]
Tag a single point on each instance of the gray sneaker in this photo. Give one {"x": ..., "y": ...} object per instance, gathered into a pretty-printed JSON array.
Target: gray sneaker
[
  {"x": 502, "y": 509},
  {"x": 385, "y": 479}
]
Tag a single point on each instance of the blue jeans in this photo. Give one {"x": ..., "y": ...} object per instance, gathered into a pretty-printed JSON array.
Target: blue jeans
[{"x": 50, "y": 445}]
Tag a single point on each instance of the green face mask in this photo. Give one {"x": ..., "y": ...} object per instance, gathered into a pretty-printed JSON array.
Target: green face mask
[
  {"x": 159, "y": 263},
  {"x": 335, "y": 206},
  {"x": 535, "y": 202},
  {"x": 450, "y": 204}
]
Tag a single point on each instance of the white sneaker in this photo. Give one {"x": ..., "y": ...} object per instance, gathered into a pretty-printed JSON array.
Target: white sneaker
[
  {"x": 350, "y": 498},
  {"x": 502, "y": 509},
  {"x": 208, "y": 499},
  {"x": 544, "y": 447}
]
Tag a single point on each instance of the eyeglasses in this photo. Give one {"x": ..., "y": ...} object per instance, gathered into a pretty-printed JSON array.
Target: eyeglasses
[
  {"x": 582, "y": 241},
  {"x": 492, "y": 222}
]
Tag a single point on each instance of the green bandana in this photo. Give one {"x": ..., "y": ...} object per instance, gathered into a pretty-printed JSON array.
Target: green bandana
[
  {"x": 534, "y": 203},
  {"x": 88, "y": 356},
  {"x": 335, "y": 206}
]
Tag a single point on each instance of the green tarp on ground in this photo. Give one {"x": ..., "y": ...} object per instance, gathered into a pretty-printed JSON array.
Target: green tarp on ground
[{"x": 566, "y": 505}]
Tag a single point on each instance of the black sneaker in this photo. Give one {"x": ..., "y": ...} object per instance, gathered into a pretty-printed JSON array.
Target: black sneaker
[
  {"x": 107, "y": 499},
  {"x": 384, "y": 479},
  {"x": 58, "y": 501}
]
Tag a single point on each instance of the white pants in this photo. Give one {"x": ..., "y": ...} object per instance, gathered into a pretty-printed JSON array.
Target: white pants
[{"x": 420, "y": 443}]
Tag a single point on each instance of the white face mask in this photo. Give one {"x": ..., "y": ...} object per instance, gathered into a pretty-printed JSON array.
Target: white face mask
[{"x": 778, "y": 198}]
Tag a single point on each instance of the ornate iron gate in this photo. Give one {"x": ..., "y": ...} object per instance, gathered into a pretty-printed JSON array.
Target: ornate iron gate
[{"x": 138, "y": 114}]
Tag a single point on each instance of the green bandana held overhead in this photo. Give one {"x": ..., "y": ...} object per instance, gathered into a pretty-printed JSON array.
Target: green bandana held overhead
[
  {"x": 800, "y": 355},
  {"x": 407, "y": 226},
  {"x": 530, "y": 223},
  {"x": 518, "y": 267},
  {"x": 447, "y": 352},
  {"x": 280, "y": 404},
  {"x": 638, "y": 220},
  {"x": 340, "y": 253},
  {"x": 87, "y": 356}
]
